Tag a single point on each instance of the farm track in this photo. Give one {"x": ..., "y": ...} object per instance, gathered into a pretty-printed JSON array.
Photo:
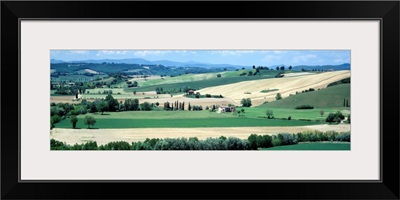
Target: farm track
[{"x": 104, "y": 136}]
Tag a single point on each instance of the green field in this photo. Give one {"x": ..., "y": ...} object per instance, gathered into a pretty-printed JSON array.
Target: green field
[
  {"x": 313, "y": 146},
  {"x": 201, "y": 77},
  {"x": 296, "y": 114},
  {"x": 206, "y": 83},
  {"x": 331, "y": 97},
  {"x": 177, "y": 119}
]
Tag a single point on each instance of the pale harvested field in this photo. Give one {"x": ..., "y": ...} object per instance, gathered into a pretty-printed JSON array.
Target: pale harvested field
[
  {"x": 286, "y": 86},
  {"x": 297, "y": 74},
  {"x": 62, "y": 99},
  {"x": 104, "y": 136}
]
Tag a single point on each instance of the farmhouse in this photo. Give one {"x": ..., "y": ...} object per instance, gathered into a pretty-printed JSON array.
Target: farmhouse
[
  {"x": 223, "y": 109},
  {"x": 190, "y": 92}
]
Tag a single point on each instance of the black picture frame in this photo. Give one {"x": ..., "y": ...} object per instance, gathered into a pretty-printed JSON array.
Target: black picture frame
[{"x": 386, "y": 11}]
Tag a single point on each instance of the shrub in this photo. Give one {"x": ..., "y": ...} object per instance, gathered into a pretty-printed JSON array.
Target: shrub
[
  {"x": 233, "y": 143},
  {"x": 276, "y": 142},
  {"x": 246, "y": 102},
  {"x": 270, "y": 114},
  {"x": 56, "y": 119},
  {"x": 305, "y": 107},
  {"x": 74, "y": 120},
  {"x": 74, "y": 112},
  {"x": 335, "y": 117},
  {"x": 343, "y": 137},
  {"x": 57, "y": 145},
  {"x": 161, "y": 145},
  {"x": 253, "y": 141},
  {"x": 120, "y": 145},
  {"x": 268, "y": 90},
  {"x": 89, "y": 120},
  {"x": 287, "y": 138},
  {"x": 278, "y": 96},
  {"x": 264, "y": 141}
]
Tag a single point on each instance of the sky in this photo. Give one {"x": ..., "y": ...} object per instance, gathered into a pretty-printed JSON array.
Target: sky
[{"x": 234, "y": 57}]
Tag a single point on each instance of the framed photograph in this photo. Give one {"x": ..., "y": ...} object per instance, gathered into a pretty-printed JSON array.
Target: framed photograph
[{"x": 289, "y": 96}]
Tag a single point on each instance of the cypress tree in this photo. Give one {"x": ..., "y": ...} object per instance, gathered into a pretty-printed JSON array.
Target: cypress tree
[
  {"x": 344, "y": 102},
  {"x": 189, "y": 108},
  {"x": 183, "y": 106}
]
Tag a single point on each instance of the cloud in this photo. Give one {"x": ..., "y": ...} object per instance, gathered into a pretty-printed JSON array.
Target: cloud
[
  {"x": 100, "y": 53},
  {"x": 271, "y": 58},
  {"x": 279, "y": 52},
  {"x": 150, "y": 53},
  {"x": 231, "y": 52},
  {"x": 339, "y": 60},
  {"x": 304, "y": 58},
  {"x": 78, "y": 52}
]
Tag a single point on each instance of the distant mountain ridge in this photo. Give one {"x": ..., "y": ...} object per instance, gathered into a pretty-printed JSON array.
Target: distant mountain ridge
[
  {"x": 344, "y": 66},
  {"x": 142, "y": 61},
  {"x": 168, "y": 63}
]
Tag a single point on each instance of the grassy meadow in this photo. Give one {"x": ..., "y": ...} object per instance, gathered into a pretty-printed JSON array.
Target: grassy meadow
[{"x": 177, "y": 119}]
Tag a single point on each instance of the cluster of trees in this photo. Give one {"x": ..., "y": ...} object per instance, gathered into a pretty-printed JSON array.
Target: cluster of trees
[
  {"x": 268, "y": 90},
  {"x": 304, "y": 107},
  {"x": 195, "y": 108},
  {"x": 109, "y": 104},
  {"x": 253, "y": 142},
  {"x": 132, "y": 84},
  {"x": 246, "y": 102},
  {"x": 335, "y": 117},
  {"x": 175, "y": 106},
  {"x": 181, "y": 106},
  {"x": 60, "y": 111},
  {"x": 104, "y": 92},
  {"x": 160, "y": 90},
  {"x": 314, "y": 70},
  {"x": 303, "y": 91},
  {"x": 198, "y": 95},
  {"x": 282, "y": 68},
  {"x": 346, "y": 103},
  {"x": 343, "y": 81}
]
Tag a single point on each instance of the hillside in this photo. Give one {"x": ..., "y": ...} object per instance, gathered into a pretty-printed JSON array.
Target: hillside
[
  {"x": 285, "y": 86},
  {"x": 60, "y": 69},
  {"x": 344, "y": 66},
  {"x": 329, "y": 97},
  {"x": 199, "y": 81}
]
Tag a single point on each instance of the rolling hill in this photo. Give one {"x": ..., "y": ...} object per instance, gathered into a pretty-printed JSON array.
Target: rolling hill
[
  {"x": 285, "y": 86},
  {"x": 329, "y": 97}
]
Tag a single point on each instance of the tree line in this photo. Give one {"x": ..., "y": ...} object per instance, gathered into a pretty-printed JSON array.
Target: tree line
[{"x": 253, "y": 142}]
